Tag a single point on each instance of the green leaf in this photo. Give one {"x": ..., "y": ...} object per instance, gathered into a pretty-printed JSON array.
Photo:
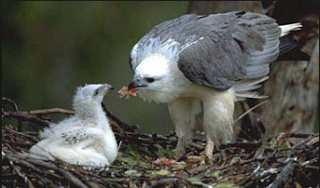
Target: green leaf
[
  {"x": 127, "y": 161},
  {"x": 160, "y": 151},
  {"x": 160, "y": 173},
  {"x": 235, "y": 160},
  {"x": 132, "y": 173},
  {"x": 216, "y": 174}
]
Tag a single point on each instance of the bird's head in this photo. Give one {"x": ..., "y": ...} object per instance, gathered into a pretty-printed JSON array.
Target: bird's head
[
  {"x": 90, "y": 95},
  {"x": 156, "y": 79},
  {"x": 151, "y": 74}
]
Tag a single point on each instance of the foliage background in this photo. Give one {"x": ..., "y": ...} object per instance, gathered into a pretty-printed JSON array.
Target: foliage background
[{"x": 50, "y": 48}]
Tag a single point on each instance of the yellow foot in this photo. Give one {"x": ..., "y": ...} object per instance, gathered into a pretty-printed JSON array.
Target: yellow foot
[
  {"x": 196, "y": 159},
  {"x": 206, "y": 154},
  {"x": 208, "y": 150}
]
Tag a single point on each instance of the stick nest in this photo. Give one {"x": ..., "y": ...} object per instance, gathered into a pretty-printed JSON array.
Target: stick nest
[{"x": 284, "y": 160}]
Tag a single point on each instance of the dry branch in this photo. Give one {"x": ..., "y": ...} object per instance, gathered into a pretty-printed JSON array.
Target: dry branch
[{"x": 48, "y": 111}]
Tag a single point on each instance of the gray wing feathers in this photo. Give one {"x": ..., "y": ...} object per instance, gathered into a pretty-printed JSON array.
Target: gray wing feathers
[
  {"x": 248, "y": 39},
  {"x": 220, "y": 49},
  {"x": 258, "y": 61},
  {"x": 242, "y": 46},
  {"x": 168, "y": 29},
  {"x": 197, "y": 64}
]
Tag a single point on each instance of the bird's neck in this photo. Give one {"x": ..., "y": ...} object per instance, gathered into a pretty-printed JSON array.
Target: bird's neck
[{"x": 92, "y": 112}]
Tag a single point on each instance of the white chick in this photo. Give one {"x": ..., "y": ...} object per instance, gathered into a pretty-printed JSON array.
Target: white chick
[{"x": 85, "y": 138}]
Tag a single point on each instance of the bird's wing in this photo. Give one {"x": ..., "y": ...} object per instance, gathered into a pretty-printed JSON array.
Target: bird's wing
[
  {"x": 73, "y": 132},
  {"x": 231, "y": 47},
  {"x": 81, "y": 134},
  {"x": 216, "y": 50}
]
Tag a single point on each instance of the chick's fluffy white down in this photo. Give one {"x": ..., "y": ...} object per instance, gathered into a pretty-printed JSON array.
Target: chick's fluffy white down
[{"x": 83, "y": 139}]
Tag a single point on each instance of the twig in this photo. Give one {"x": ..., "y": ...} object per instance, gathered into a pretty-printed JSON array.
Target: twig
[
  {"x": 265, "y": 160},
  {"x": 73, "y": 179},
  {"x": 19, "y": 172},
  {"x": 312, "y": 167},
  {"x": 124, "y": 126},
  {"x": 64, "y": 172},
  {"x": 283, "y": 176},
  {"x": 30, "y": 116},
  {"x": 119, "y": 145},
  {"x": 15, "y": 108},
  {"x": 300, "y": 135},
  {"x": 48, "y": 111},
  {"x": 303, "y": 142},
  {"x": 13, "y": 103},
  {"x": 12, "y": 131},
  {"x": 174, "y": 179},
  {"x": 163, "y": 181},
  {"x": 250, "y": 110},
  {"x": 25, "y": 117},
  {"x": 241, "y": 145}
]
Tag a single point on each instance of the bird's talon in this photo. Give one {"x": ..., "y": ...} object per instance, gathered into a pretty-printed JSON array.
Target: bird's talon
[
  {"x": 196, "y": 159},
  {"x": 178, "y": 153}
]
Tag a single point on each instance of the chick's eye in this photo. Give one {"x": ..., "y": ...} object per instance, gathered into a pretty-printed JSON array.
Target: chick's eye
[{"x": 150, "y": 80}]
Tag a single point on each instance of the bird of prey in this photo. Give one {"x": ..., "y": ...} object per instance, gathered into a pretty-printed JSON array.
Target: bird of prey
[
  {"x": 202, "y": 65},
  {"x": 85, "y": 138}
]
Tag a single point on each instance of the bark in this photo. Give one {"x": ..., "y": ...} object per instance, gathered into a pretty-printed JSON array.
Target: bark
[
  {"x": 293, "y": 90},
  {"x": 293, "y": 85}
]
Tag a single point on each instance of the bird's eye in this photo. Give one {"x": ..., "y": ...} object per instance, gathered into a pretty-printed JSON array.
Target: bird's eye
[
  {"x": 96, "y": 92},
  {"x": 150, "y": 80}
]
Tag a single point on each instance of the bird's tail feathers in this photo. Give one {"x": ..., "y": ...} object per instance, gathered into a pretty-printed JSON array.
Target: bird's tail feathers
[
  {"x": 286, "y": 29},
  {"x": 244, "y": 89},
  {"x": 290, "y": 46},
  {"x": 249, "y": 94}
]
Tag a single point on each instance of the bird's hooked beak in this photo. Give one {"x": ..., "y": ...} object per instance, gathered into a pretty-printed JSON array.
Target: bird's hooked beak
[
  {"x": 132, "y": 85},
  {"x": 137, "y": 84}
]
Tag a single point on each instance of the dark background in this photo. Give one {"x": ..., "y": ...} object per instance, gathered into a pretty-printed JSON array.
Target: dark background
[{"x": 50, "y": 48}]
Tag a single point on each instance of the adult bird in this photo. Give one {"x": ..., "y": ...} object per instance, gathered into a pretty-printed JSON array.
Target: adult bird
[
  {"x": 202, "y": 65},
  {"x": 85, "y": 138}
]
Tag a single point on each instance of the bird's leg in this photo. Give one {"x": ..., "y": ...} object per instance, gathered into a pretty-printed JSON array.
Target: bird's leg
[
  {"x": 183, "y": 113},
  {"x": 208, "y": 150},
  {"x": 180, "y": 149},
  {"x": 218, "y": 119}
]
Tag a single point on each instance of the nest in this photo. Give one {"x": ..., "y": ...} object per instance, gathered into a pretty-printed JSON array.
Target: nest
[{"x": 143, "y": 161}]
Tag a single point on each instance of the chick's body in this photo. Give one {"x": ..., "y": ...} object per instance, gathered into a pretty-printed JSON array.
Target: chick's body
[{"x": 85, "y": 138}]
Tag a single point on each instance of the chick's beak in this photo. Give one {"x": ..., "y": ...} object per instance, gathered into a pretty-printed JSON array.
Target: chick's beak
[
  {"x": 107, "y": 88},
  {"x": 110, "y": 87}
]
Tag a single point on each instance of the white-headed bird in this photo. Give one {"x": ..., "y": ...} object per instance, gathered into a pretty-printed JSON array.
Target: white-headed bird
[{"x": 202, "y": 65}]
